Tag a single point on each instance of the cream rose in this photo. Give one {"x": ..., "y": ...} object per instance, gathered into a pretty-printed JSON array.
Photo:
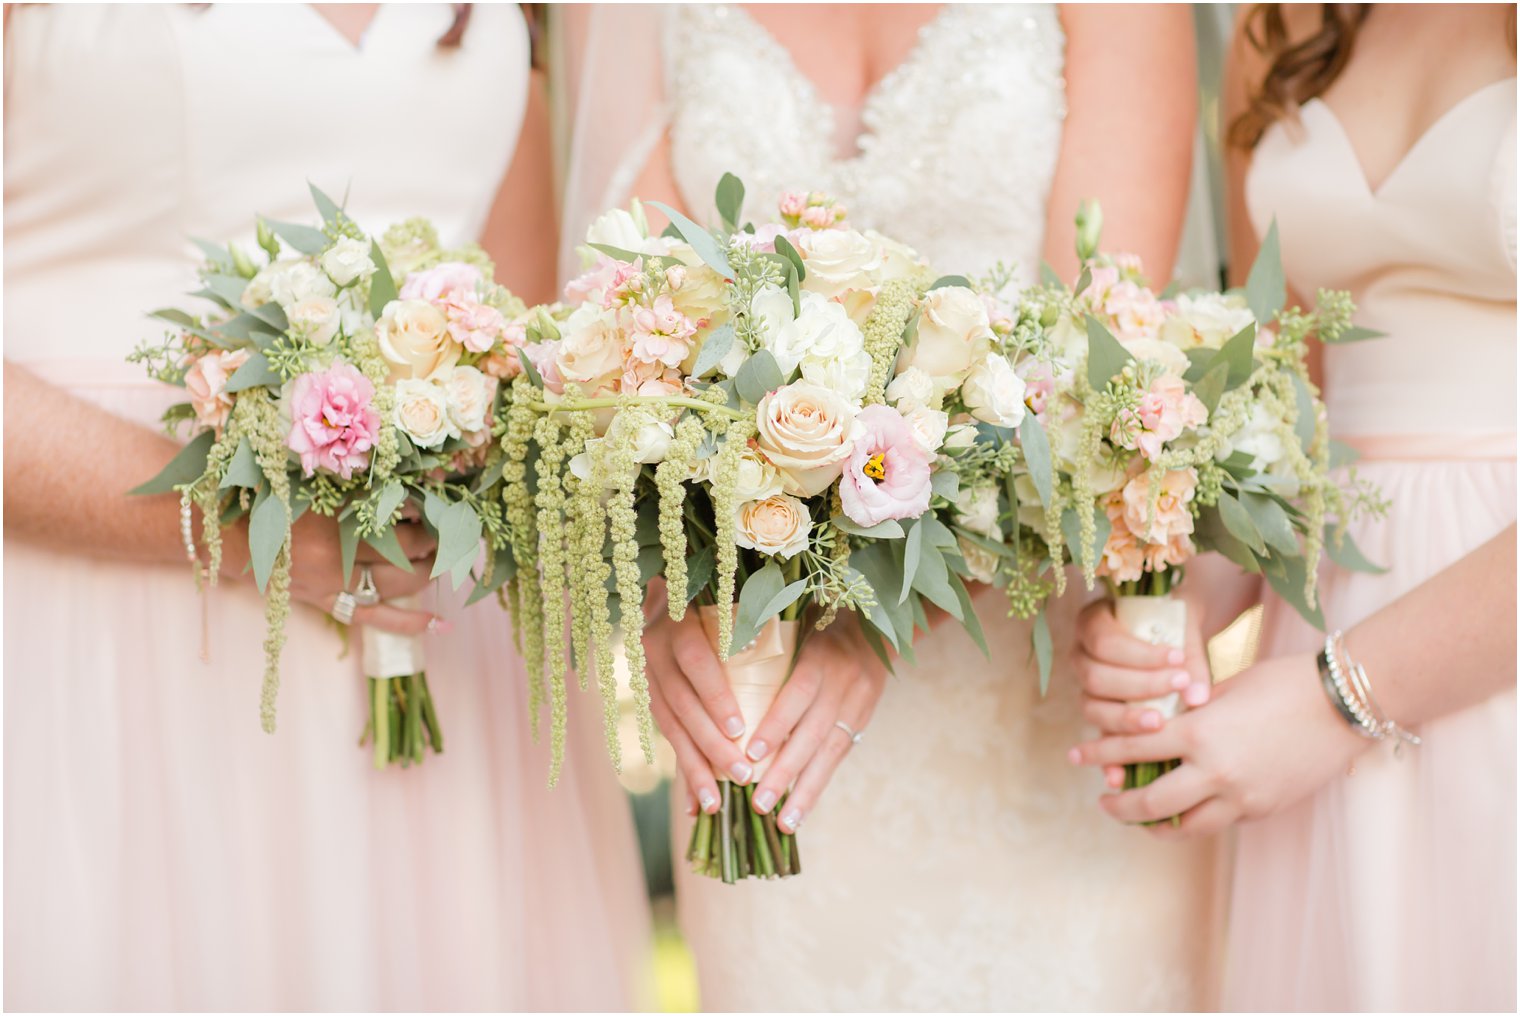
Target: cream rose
[
  {"x": 299, "y": 280},
  {"x": 953, "y": 334},
  {"x": 591, "y": 346},
  {"x": 777, "y": 525},
  {"x": 422, "y": 413},
  {"x": 981, "y": 563},
  {"x": 469, "y": 392},
  {"x": 315, "y": 319},
  {"x": 625, "y": 230},
  {"x": 1206, "y": 321},
  {"x": 415, "y": 340},
  {"x": 976, "y": 508},
  {"x": 808, "y": 432},
  {"x": 701, "y": 293},
  {"x": 929, "y": 425},
  {"x": 994, "y": 393},
  {"x": 347, "y": 261},
  {"x": 897, "y": 261},
  {"x": 758, "y": 479},
  {"x": 838, "y": 260},
  {"x": 912, "y": 385}
]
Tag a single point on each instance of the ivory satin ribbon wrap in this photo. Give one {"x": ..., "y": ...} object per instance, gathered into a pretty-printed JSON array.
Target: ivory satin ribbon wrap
[
  {"x": 1161, "y": 621},
  {"x": 756, "y": 672},
  {"x": 387, "y": 654}
]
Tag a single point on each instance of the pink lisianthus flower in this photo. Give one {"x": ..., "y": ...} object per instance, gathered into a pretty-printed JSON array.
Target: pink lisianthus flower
[
  {"x": 206, "y": 381},
  {"x": 887, "y": 473},
  {"x": 1166, "y": 409},
  {"x": 333, "y": 423},
  {"x": 474, "y": 325},
  {"x": 451, "y": 281},
  {"x": 660, "y": 333}
]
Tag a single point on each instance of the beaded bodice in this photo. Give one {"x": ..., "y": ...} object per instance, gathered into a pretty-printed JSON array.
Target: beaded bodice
[{"x": 958, "y": 143}]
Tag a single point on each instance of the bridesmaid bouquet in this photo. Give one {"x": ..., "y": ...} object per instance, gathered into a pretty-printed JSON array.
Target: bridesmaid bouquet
[
  {"x": 1165, "y": 426},
  {"x": 352, "y": 376},
  {"x": 784, "y": 422}
]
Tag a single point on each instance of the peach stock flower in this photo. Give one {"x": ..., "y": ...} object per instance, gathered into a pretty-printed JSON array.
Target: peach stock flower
[{"x": 206, "y": 380}]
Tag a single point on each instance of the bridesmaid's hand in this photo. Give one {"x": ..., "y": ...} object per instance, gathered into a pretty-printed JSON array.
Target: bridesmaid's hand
[
  {"x": 837, "y": 678},
  {"x": 1117, "y": 670},
  {"x": 1270, "y": 738},
  {"x": 316, "y": 573}
]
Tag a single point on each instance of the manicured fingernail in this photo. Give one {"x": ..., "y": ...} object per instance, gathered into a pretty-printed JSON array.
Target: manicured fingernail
[
  {"x": 691, "y": 805},
  {"x": 708, "y": 798},
  {"x": 733, "y": 726},
  {"x": 439, "y": 626},
  {"x": 1196, "y": 695},
  {"x": 1181, "y": 680},
  {"x": 1150, "y": 721},
  {"x": 764, "y": 800},
  {"x": 1116, "y": 780},
  {"x": 792, "y": 819},
  {"x": 742, "y": 772},
  {"x": 757, "y": 750},
  {"x": 1176, "y": 657},
  {"x": 1074, "y": 757}
]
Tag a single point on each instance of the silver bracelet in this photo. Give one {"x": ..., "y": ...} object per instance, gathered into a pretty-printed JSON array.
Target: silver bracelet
[{"x": 1355, "y": 689}]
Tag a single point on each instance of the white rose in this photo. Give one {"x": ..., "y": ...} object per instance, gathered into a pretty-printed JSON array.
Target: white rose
[
  {"x": 898, "y": 260},
  {"x": 469, "y": 392},
  {"x": 960, "y": 437},
  {"x": 1259, "y": 438},
  {"x": 848, "y": 375},
  {"x": 976, "y": 508},
  {"x": 772, "y": 308},
  {"x": 621, "y": 229},
  {"x": 953, "y": 334},
  {"x": 591, "y": 346},
  {"x": 777, "y": 525},
  {"x": 808, "y": 432},
  {"x": 994, "y": 393},
  {"x": 758, "y": 479},
  {"x": 297, "y": 281},
  {"x": 912, "y": 385},
  {"x": 422, "y": 413},
  {"x": 414, "y": 339},
  {"x": 315, "y": 319},
  {"x": 650, "y": 443},
  {"x": 929, "y": 425},
  {"x": 1171, "y": 359},
  {"x": 348, "y": 261},
  {"x": 838, "y": 260},
  {"x": 594, "y": 458},
  {"x": 980, "y": 562},
  {"x": 1206, "y": 321}
]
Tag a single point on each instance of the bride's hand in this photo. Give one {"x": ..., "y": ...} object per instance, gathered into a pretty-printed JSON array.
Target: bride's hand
[
  {"x": 837, "y": 679},
  {"x": 1117, "y": 671},
  {"x": 316, "y": 573},
  {"x": 1269, "y": 738}
]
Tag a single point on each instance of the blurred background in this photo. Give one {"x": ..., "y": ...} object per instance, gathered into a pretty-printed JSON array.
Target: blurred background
[{"x": 672, "y": 974}]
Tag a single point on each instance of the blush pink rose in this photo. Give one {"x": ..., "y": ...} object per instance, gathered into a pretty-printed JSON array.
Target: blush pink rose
[
  {"x": 333, "y": 423},
  {"x": 1169, "y": 515},
  {"x": 452, "y": 280},
  {"x": 206, "y": 381},
  {"x": 887, "y": 473}
]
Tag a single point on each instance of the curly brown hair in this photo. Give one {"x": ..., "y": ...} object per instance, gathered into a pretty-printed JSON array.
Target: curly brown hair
[{"x": 1296, "y": 71}]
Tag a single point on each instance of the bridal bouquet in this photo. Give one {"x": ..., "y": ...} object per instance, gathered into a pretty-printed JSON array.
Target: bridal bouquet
[
  {"x": 783, "y": 422},
  {"x": 352, "y": 376},
  {"x": 1168, "y": 426}
]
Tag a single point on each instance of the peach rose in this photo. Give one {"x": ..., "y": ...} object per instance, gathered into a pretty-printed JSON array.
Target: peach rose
[
  {"x": 778, "y": 525},
  {"x": 414, "y": 339},
  {"x": 807, "y": 431},
  {"x": 206, "y": 381}
]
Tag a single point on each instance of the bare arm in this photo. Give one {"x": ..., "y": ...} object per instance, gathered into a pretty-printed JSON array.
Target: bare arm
[
  {"x": 519, "y": 234},
  {"x": 1131, "y": 94}
]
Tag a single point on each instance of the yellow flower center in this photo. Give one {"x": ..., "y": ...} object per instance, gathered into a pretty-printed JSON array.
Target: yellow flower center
[{"x": 876, "y": 467}]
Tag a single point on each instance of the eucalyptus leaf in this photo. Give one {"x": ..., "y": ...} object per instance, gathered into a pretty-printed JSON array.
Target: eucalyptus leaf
[
  {"x": 968, "y": 616},
  {"x": 303, "y": 238},
  {"x": 382, "y": 285},
  {"x": 1266, "y": 289},
  {"x": 1356, "y": 333},
  {"x": 950, "y": 280},
  {"x": 700, "y": 240},
  {"x": 699, "y": 571},
  {"x": 1044, "y": 651},
  {"x": 936, "y": 533},
  {"x": 633, "y": 256},
  {"x": 1083, "y": 281},
  {"x": 388, "y": 546},
  {"x": 1272, "y": 522},
  {"x": 1199, "y": 362},
  {"x": 785, "y": 249},
  {"x": 730, "y": 201},
  {"x": 1342, "y": 454},
  {"x": 215, "y": 254},
  {"x": 1237, "y": 353},
  {"x": 254, "y": 373},
  {"x": 1305, "y": 423},
  {"x": 714, "y": 348},
  {"x": 268, "y": 528},
  {"x": 243, "y": 470},
  {"x": 1210, "y": 389},
  {"x": 1048, "y": 276},
  {"x": 1105, "y": 356},
  {"x": 503, "y": 570},
  {"x": 759, "y": 376},
  {"x": 913, "y": 549},
  {"x": 228, "y": 289},
  {"x": 1287, "y": 577},
  {"x": 1071, "y": 530},
  {"x": 1344, "y": 552},
  {"x": 328, "y": 208},
  {"x": 874, "y": 640},
  {"x": 273, "y": 315},
  {"x": 945, "y": 483},
  {"x": 1210, "y": 534},
  {"x": 531, "y": 370},
  {"x": 889, "y": 529},
  {"x": 1037, "y": 455},
  {"x": 187, "y": 466},
  {"x": 1240, "y": 524},
  {"x": 390, "y": 499},
  {"x": 458, "y": 541},
  {"x": 932, "y": 578},
  {"x": 764, "y": 595}
]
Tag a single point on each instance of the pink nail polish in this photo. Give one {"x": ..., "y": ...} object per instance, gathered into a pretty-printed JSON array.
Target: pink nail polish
[
  {"x": 765, "y": 800},
  {"x": 1181, "y": 680},
  {"x": 1150, "y": 721},
  {"x": 1176, "y": 657},
  {"x": 757, "y": 750},
  {"x": 1196, "y": 695},
  {"x": 733, "y": 726},
  {"x": 1074, "y": 757}
]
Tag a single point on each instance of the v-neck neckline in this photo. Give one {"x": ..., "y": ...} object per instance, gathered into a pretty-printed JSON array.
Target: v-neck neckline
[
  {"x": 356, "y": 47},
  {"x": 1425, "y": 138}
]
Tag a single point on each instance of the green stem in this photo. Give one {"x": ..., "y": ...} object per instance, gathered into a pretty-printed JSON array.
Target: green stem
[
  {"x": 726, "y": 824},
  {"x": 379, "y": 712},
  {"x": 742, "y": 846},
  {"x": 763, "y": 860},
  {"x": 430, "y": 715},
  {"x": 780, "y": 855},
  {"x": 701, "y": 842}
]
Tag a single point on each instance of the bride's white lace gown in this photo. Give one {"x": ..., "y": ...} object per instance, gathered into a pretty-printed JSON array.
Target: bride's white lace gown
[{"x": 957, "y": 861}]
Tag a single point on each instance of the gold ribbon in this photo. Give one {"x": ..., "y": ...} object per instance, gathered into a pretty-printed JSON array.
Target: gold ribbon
[{"x": 757, "y": 671}]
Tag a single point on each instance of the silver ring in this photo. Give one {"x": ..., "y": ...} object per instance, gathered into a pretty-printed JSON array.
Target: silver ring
[
  {"x": 343, "y": 608},
  {"x": 849, "y": 731},
  {"x": 367, "y": 595}
]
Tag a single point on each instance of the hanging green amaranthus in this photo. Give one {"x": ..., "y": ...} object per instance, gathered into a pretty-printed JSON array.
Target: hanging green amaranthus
[{"x": 550, "y": 501}]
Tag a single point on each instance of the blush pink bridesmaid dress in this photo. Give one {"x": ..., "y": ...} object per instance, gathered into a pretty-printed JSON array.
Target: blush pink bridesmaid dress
[
  {"x": 1394, "y": 888},
  {"x": 161, "y": 852}
]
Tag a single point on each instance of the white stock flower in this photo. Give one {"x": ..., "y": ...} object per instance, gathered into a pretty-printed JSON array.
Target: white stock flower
[{"x": 825, "y": 343}]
